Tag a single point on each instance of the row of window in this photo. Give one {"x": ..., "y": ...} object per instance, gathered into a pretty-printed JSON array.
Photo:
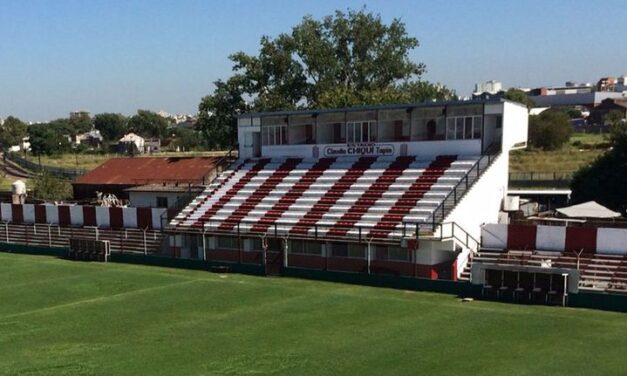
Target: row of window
[
  {"x": 306, "y": 247},
  {"x": 457, "y": 128}
]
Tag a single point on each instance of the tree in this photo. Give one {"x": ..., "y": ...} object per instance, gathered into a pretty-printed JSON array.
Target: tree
[
  {"x": 216, "y": 114},
  {"x": 186, "y": 139},
  {"x": 345, "y": 59},
  {"x": 111, "y": 126},
  {"x": 574, "y": 113},
  {"x": 549, "y": 130},
  {"x": 148, "y": 124},
  {"x": 618, "y": 126},
  {"x": 80, "y": 122},
  {"x": 352, "y": 52},
  {"x": 48, "y": 139},
  {"x": 12, "y": 131},
  {"x": 47, "y": 187},
  {"x": 605, "y": 179},
  {"x": 517, "y": 95}
]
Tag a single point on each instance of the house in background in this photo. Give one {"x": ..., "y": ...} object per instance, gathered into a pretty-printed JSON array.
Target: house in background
[
  {"x": 131, "y": 143},
  {"x": 598, "y": 114},
  {"x": 92, "y": 138}
]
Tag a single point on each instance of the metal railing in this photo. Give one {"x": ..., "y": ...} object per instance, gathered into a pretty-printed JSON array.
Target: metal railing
[
  {"x": 460, "y": 189},
  {"x": 59, "y": 172},
  {"x": 555, "y": 179}
]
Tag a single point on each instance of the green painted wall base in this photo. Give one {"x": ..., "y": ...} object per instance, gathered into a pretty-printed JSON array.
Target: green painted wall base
[
  {"x": 33, "y": 249},
  {"x": 185, "y": 263},
  {"x": 405, "y": 283}
]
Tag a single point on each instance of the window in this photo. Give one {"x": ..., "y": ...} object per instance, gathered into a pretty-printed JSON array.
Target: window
[
  {"x": 360, "y": 131},
  {"x": 226, "y": 242},
  {"x": 162, "y": 202},
  {"x": 463, "y": 127},
  {"x": 499, "y": 122},
  {"x": 356, "y": 250},
  {"x": 339, "y": 249},
  {"x": 274, "y": 134},
  {"x": 305, "y": 247},
  {"x": 391, "y": 253}
]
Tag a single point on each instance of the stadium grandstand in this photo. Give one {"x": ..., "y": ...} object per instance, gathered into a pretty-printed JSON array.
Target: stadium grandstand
[{"x": 394, "y": 189}]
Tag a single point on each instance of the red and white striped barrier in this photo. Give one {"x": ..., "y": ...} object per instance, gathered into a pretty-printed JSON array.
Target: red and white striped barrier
[
  {"x": 79, "y": 215},
  {"x": 555, "y": 238}
]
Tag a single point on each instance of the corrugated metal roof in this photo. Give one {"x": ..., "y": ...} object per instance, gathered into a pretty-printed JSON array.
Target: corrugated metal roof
[{"x": 149, "y": 170}]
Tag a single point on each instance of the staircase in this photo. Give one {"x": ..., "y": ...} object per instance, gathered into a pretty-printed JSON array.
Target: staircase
[{"x": 463, "y": 186}]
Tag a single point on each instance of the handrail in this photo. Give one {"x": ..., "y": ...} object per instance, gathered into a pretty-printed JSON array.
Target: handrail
[
  {"x": 491, "y": 155},
  {"x": 56, "y": 171}
]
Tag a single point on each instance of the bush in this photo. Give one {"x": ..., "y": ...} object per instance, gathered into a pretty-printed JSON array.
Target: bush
[
  {"x": 47, "y": 187},
  {"x": 549, "y": 130}
]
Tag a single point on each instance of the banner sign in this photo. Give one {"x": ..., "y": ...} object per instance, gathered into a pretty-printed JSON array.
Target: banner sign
[{"x": 358, "y": 149}]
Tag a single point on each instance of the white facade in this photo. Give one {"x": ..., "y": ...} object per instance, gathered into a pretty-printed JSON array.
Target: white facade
[
  {"x": 491, "y": 87},
  {"x": 421, "y": 131}
]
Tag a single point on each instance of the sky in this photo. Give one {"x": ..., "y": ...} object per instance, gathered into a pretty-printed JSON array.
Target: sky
[{"x": 58, "y": 56}]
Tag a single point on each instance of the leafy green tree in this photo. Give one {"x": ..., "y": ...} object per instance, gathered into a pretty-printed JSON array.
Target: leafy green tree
[
  {"x": 47, "y": 187},
  {"x": 344, "y": 59},
  {"x": 80, "y": 122},
  {"x": 549, "y": 130},
  {"x": 49, "y": 139},
  {"x": 618, "y": 126},
  {"x": 605, "y": 179},
  {"x": 186, "y": 139},
  {"x": 574, "y": 113},
  {"x": 216, "y": 114},
  {"x": 148, "y": 124},
  {"x": 12, "y": 131},
  {"x": 111, "y": 126},
  {"x": 519, "y": 96}
]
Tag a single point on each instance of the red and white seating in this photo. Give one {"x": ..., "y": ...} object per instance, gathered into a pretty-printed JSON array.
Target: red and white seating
[{"x": 332, "y": 198}]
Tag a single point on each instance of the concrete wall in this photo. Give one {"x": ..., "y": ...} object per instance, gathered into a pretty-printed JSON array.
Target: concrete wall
[
  {"x": 80, "y": 215},
  {"x": 612, "y": 241},
  {"x": 420, "y": 149},
  {"x": 483, "y": 201},
  {"x": 149, "y": 199}
]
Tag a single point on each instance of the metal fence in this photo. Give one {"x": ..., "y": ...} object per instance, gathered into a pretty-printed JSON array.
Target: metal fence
[
  {"x": 59, "y": 172},
  {"x": 555, "y": 179}
]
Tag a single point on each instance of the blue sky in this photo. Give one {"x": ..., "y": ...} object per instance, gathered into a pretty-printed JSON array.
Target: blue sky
[{"x": 117, "y": 56}]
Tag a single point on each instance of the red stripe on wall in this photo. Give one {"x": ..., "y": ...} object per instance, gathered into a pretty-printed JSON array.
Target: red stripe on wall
[
  {"x": 521, "y": 237},
  {"x": 578, "y": 238},
  {"x": 17, "y": 214},
  {"x": 116, "y": 218},
  {"x": 40, "y": 214},
  {"x": 144, "y": 217},
  {"x": 64, "y": 215},
  {"x": 89, "y": 216}
]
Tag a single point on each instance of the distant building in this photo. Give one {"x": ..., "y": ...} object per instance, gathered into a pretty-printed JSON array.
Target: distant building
[
  {"x": 79, "y": 114},
  {"x": 490, "y": 87},
  {"x": 152, "y": 145},
  {"x": 92, "y": 138},
  {"x": 607, "y": 84},
  {"x": 597, "y": 114},
  {"x": 131, "y": 143}
]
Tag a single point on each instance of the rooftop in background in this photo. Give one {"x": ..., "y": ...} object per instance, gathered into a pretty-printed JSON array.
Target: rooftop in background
[{"x": 141, "y": 171}]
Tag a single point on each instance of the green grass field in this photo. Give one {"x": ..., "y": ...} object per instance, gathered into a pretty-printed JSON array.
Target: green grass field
[
  {"x": 61, "y": 317},
  {"x": 581, "y": 150}
]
